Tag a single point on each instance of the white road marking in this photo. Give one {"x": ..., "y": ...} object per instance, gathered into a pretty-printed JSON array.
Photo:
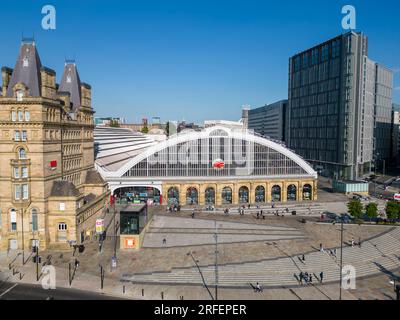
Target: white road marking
[{"x": 8, "y": 290}]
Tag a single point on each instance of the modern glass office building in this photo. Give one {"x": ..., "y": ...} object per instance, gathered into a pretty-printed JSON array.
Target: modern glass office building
[
  {"x": 338, "y": 104},
  {"x": 217, "y": 165}
]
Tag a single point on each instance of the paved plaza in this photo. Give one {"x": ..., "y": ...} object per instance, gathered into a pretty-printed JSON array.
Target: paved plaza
[{"x": 250, "y": 250}]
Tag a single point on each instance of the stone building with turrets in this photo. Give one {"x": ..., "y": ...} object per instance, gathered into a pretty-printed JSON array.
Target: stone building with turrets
[{"x": 50, "y": 194}]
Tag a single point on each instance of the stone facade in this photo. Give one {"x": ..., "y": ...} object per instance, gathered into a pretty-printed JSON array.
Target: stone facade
[
  {"x": 46, "y": 153},
  {"x": 235, "y": 185}
]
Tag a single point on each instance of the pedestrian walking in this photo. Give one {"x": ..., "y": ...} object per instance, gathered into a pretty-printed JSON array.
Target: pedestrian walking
[
  {"x": 352, "y": 242},
  {"x": 76, "y": 264},
  {"x": 164, "y": 241},
  {"x": 310, "y": 278},
  {"x": 321, "y": 276},
  {"x": 359, "y": 242},
  {"x": 301, "y": 276},
  {"x": 321, "y": 247},
  {"x": 258, "y": 288},
  {"x": 303, "y": 257}
]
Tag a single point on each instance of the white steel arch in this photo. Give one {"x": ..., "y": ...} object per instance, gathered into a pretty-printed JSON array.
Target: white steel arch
[{"x": 206, "y": 133}]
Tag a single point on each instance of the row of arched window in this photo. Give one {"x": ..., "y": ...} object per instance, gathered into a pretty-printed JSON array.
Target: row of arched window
[
  {"x": 192, "y": 194},
  {"x": 20, "y": 115}
]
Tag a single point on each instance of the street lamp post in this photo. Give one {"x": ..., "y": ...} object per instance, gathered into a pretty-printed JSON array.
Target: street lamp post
[
  {"x": 341, "y": 258},
  {"x": 216, "y": 260}
]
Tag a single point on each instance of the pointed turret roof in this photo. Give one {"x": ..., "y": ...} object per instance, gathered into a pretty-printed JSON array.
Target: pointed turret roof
[
  {"x": 71, "y": 83},
  {"x": 27, "y": 69}
]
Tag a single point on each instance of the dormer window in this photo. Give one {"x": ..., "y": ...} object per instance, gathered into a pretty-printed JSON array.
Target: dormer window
[
  {"x": 25, "y": 62},
  {"x": 69, "y": 79},
  {"x": 20, "y": 95}
]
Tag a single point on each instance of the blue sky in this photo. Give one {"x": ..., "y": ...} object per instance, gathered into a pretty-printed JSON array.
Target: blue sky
[{"x": 192, "y": 60}]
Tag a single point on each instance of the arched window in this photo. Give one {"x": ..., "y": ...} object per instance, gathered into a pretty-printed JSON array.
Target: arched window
[
  {"x": 173, "y": 195},
  {"x": 210, "y": 195},
  {"x": 21, "y": 153},
  {"x": 276, "y": 193},
  {"x": 34, "y": 220},
  {"x": 243, "y": 195},
  {"x": 307, "y": 192},
  {"x": 226, "y": 195},
  {"x": 192, "y": 196},
  {"x": 291, "y": 193},
  {"x": 260, "y": 194}
]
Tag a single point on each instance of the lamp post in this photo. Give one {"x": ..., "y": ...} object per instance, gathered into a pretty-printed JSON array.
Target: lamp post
[
  {"x": 216, "y": 260},
  {"x": 341, "y": 258}
]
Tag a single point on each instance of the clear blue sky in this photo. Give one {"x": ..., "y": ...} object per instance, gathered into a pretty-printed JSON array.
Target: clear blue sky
[{"x": 190, "y": 59}]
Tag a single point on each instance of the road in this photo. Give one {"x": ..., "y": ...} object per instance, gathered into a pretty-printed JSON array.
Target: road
[{"x": 17, "y": 291}]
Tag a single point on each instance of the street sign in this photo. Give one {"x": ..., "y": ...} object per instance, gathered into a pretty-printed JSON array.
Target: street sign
[{"x": 99, "y": 226}]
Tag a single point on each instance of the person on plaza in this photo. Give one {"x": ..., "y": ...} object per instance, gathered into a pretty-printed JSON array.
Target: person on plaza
[
  {"x": 258, "y": 288},
  {"x": 334, "y": 252},
  {"x": 321, "y": 247},
  {"x": 359, "y": 242},
  {"x": 76, "y": 264},
  {"x": 164, "y": 241},
  {"x": 258, "y": 215},
  {"x": 352, "y": 242},
  {"x": 248, "y": 206},
  {"x": 193, "y": 214},
  {"x": 301, "y": 276},
  {"x": 321, "y": 276},
  {"x": 310, "y": 278},
  {"x": 261, "y": 212},
  {"x": 306, "y": 276},
  {"x": 303, "y": 258}
]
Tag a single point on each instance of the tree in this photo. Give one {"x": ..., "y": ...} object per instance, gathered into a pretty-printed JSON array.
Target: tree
[
  {"x": 371, "y": 210},
  {"x": 355, "y": 208},
  {"x": 144, "y": 130},
  {"x": 392, "y": 210}
]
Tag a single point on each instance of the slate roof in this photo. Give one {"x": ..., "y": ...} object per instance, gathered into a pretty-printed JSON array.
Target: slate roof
[
  {"x": 70, "y": 82},
  {"x": 63, "y": 188},
  {"x": 93, "y": 177},
  {"x": 27, "y": 70}
]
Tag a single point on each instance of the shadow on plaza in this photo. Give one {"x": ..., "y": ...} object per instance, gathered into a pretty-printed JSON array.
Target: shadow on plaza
[{"x": 387, "y": 272}]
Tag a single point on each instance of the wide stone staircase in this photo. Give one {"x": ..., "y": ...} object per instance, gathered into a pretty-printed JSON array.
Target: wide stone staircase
[{"x": 377, "y": 255}]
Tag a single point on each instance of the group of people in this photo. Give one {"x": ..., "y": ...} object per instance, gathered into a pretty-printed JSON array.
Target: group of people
[
  {"x": 260, "y": 214},
  {"x": 226, "y": 211},
  {"x": 174, "y": 208},
  {"x": 308, "y": 277}
]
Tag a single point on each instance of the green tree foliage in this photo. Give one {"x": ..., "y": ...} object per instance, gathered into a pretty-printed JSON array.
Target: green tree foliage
[
  {"x": 355, "y": 208},
  {"x": 144, "y": 130},
  {"x": 392, "y": 210},
  {"x": 371, "y": 210}
]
